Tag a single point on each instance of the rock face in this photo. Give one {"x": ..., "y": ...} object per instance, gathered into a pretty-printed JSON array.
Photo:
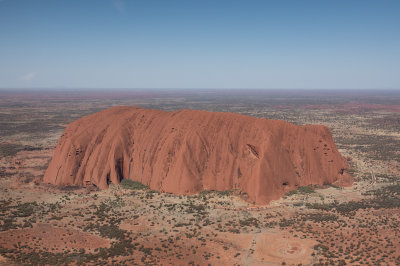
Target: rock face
[{"x": 188, "y": 151}]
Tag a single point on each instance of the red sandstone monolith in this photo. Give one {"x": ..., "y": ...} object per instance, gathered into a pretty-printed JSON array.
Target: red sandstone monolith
[{"x": 188, "y": 151}]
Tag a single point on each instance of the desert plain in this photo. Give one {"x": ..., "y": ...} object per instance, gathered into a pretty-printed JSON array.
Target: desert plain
[{"x": 131, "y": 224}]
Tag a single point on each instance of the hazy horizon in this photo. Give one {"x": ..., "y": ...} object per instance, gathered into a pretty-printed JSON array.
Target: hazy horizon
[{"x": 117, "y": 44}]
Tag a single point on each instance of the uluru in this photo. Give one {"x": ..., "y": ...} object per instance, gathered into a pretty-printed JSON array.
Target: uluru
[{"x": 188, "y": 151}]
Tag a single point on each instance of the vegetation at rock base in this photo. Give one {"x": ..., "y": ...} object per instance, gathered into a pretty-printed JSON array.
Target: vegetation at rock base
[
  {"x": 301, "y": 190},
  {"x": 131, "y": 184}
]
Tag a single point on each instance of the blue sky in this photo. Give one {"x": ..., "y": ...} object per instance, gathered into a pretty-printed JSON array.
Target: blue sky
[{"x": 199, "y": 44}]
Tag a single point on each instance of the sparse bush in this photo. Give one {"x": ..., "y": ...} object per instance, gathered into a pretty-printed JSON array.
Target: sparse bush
[
  {"x": 134, "y": 185},
  {"x": 301, "y": 190},
  {"x": 306, "y": 190}
]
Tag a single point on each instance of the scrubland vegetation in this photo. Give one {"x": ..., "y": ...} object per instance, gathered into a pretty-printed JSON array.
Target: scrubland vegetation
[{"x": 132, "y": 224}]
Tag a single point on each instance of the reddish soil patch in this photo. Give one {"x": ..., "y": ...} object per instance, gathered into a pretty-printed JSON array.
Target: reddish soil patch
[
  {"x": 276, "y": 248},
  {"x": 48, "y": 237}
]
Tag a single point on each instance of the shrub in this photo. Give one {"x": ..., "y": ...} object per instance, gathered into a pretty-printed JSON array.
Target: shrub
[
  {"x": 301, "y": 190},
  {"x": 306, "y": 190},
  {"x": 134, "y": 185}
]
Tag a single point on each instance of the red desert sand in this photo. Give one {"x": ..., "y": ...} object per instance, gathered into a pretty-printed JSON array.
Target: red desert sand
[{"x": 187, "y": 151}]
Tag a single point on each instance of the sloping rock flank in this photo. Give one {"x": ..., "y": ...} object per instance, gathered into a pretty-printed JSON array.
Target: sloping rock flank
[{"x": 184, "y": 152}]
